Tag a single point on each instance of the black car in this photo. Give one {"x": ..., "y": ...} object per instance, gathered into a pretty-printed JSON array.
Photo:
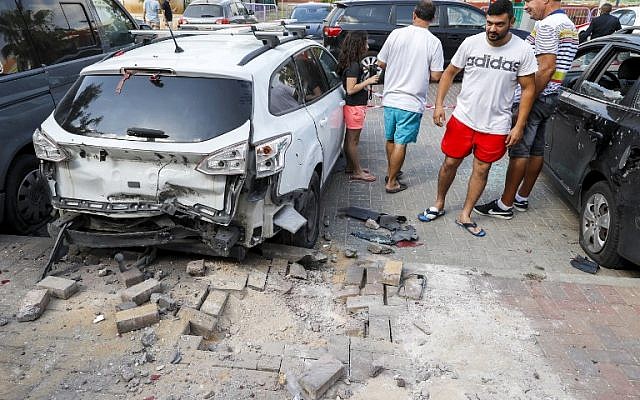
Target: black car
[
  {"x": 43, "y": 46},
  {"x": 454, "y": 21},
  {"x": 593, "y": 146}
]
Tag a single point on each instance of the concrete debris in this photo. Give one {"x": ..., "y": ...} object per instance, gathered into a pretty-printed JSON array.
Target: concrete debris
[
  {"x": 189, "y": 342},
  {"x": 354, "y": 275},
  {"x": 346, "y": 292},
  {"x": 149, "y": 337},
  {"x": 130, "y": 277},
  {"x": 320, "y": 376},
  {"x": 392, "y": 272},
  {"x": 344, "y": 393},
  {"x": 137, "y": 318},
  {"x": 209, "y": 394},
  {"x": 371, "y": 224},
  {"x": 127, "y": 373},
  {"x": 412, "y": 288},
  {"x": 361, "y": 303},
  {"x": 334, "y": 258},
  {"x": 350, "y": 253},
  {"x": 215, "y": 302},
  {"x": 354, "y": 328},
  {"x": 3, "y": 321},
  {"x": 164, "y": 301},
  {"x": 375, "y": 369},
  {"x": 298, "y": 271},
  {"x": 373, "y": 289},
  {"x": 104, "y": 272},
  {"x": 33, "y": 305},
  {"x": 98, "y": 318},
  {"x": 176, "y": 357},
  {"x": 141, "y": 293},
  {"x": 375, "y": 248},
  {"x": 158, "y": 275},
  {"x": 423, "y": 328},
  {"x": 327, "y": 236},
  {"x": 400, "y": 381},
  {"x": 374, "y": 275},
  {"x": 196, "y": 268},
  {"x": 58, "y": 287},
  {"x": 258, "y": 278},
  {"x": 233, "y": 279},
  {"x": 379, "y": 328}
]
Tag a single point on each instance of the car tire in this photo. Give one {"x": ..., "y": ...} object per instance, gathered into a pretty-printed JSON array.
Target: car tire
[
  {"x": 308, "y": 205},
  {"x": 370, "y": 59},
  {"x": 28, "y": 203},
  {"x": 599, "y": 225}
]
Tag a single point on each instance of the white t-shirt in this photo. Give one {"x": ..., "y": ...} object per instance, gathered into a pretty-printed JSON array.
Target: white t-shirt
[
  {"x": 410, "y": 53},
  {"x": 489, "y": 82}
]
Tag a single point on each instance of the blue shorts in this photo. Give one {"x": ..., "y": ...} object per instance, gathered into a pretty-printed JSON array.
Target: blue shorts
[{"x": 401, "y": 126}]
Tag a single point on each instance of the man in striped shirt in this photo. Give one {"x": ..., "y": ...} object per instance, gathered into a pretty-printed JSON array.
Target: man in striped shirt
[{"x": 555, "y": 41}]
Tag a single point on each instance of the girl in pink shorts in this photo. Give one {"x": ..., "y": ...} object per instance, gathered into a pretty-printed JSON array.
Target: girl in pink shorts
[{"x": 354, "y": 48}]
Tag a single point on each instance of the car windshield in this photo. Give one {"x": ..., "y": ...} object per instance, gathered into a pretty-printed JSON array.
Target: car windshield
[
  {"x": 310, "y": 14},
  {"x": 203, "y": 11},
  {"x": 184, "y": 109}
]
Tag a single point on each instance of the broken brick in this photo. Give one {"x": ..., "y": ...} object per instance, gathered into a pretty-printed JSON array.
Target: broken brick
[
  {"x": 141, "y": 293},
  {"x": 59, "y": 287},
  {"x": 33, "y": 305},
  {"x": 320, "y": 376}
]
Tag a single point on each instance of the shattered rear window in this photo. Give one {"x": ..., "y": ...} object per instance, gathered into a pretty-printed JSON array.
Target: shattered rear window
[{"x": 184, "y": 109}]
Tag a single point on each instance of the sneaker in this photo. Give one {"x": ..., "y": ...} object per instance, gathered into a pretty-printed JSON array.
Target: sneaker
[
  {"x": 492, "y": 210},
  {"x": 521, "y": 205}
]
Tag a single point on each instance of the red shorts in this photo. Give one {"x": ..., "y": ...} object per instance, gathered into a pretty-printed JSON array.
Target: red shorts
[
  {"x": 459, "y": 140},
  {"x": 354, "y": 116}
]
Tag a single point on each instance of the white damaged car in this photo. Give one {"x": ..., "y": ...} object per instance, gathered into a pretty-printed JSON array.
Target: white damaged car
[{"x": 210, "y": 147}]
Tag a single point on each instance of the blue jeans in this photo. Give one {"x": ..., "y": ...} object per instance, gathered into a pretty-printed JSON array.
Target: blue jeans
[{"x": 532, "y": 143}]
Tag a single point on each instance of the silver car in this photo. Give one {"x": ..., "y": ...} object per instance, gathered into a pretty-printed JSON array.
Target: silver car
[{"x": 216, "y": 12}]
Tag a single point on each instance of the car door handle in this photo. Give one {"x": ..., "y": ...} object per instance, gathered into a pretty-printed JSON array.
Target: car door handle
[{"x": 323, "y": 121}]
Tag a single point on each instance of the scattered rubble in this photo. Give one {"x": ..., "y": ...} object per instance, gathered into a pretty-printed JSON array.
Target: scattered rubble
[
  {"x": 33, "y": 305},
  {"x": 375, "y": 248},
  {"x": 371, "y": 224},
  {"x": 98, "y": 318},
  {"x": 350, "y": 253},
  {"x": 298, "y": 271}
]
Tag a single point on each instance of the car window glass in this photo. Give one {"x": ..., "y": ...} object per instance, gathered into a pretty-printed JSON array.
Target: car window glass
[
  {"x": 613, "y": 81},
  {"x": 60, "y": 31},
  {"x": 329, "y": 66},
  {"x": 16, "y": 53},
  {"x": 366, "y": 13},
  {"x": 241, "y": 9},
  {"x": 234, "y": 9},
  {"x": 626, "y": 17},
  {"x": 115, "y": 23},
  {"x": 203, "y": 10},
  {"x": 312, "y": 77},
  {"x": 463, "y": 16},
  {"x": 284, "y": 91},
  {"x": 580, "y": 64},
  {"x": 209, "y": 107},
  {"x": 310, "y": 14},
  {"x": 404, "y": 16}
]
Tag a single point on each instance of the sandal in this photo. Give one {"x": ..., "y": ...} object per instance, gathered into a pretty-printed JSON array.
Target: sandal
[
  {"x": 386, "y": 178},
  {"x": 468, "y": 226},
  {"x": 363, "y": 178},
  {"x": 430, "y": 214},
  {"x": 400, "y": 188}
]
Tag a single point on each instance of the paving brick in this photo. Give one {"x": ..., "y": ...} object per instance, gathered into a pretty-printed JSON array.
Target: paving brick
[
  {"x": 346, "y": 292},
  {"x": 380, "y": 310},
  {"x": 196, "y": 268},
  {"x": 301, "y": 351},
  {"x": 374, "y": 275},
  {"x": 321, "y": 376},
  {"x": 189, "y": 342},
  {"x": 33, "y": 305},
  {"x": 593, "y": 295},
  {"x": 582, "y": 362},
  {"x": 258, "y": 278},
  {"x": 200, "y": 323},
  {"x": 373, "y": 289},
  {"x": 137, "y": 318},
  {"x": 392, "y": 272},
  {"x": 338, "y": 347},
  {"x": 268, "y": 362},
  {"x": 59, "y": 287},
  {"x": 215, "y": 302},
  {"x": 379, "y": 328},
  {"x": 361, "y": 303},
  {"x": 354, "y": 327},
  {"x": 360, "y": 364},
  {"x": 412, "y": 288},
  {"x": 141, "y": 293},
  {"x": 619, "y": 382},
  {"x": 228, "y": 280},
  {"x": 354, "y": 275},
  {"x": 373, "y": 346},
  {"x": 631, "y": 370},
  {"x": 130, "y": 277}
]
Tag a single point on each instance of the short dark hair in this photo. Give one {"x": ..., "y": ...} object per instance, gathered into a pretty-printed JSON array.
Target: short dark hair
[
  {"x": 500, "y": 7},
  {"x": 606, "y": 8},
  {"x": 425, "y": 10}
]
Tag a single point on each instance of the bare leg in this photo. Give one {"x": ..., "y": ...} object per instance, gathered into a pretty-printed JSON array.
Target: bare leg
[
  {"x": 446, "y": 176},
  {"x": 353, "y": 158},
  {"x": 515, "y": 174},
  {"x": 396, "y": 159},
  {"x": 477, "y": 182},
  {"x": 534, "y": 166},
  {"x": 389, "y": 149}
]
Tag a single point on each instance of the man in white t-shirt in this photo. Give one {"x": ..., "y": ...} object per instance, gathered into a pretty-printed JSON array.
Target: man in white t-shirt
[
  {"x": 494, "y": 63},
  {"x": 410, "y": 57}
]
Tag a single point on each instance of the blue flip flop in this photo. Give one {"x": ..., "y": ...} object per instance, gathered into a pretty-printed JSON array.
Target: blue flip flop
[
  {"x": 469, "y": 225},
  {"x": 430, "y": 214}
]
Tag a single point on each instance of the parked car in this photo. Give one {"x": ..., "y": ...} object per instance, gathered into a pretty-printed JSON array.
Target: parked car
[
  {"x": 312, "y": 15},
  {"x": 628, "y": 16},
  {"x": 454, "y": 21},
  {"x": 43, "y": 46},
  {"x": 206, "y": 151},
  {"x": 216, "y": 12},
  {"x": 593, "y": 146}
]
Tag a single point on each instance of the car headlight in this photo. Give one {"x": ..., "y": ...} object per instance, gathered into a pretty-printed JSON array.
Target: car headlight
[
  {"x": 46, "y": 148},
  {"x": 270, "y": 155},
  {"x": 231, "y": 160}
]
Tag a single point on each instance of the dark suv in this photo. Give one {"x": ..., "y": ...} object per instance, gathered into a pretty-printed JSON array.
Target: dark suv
[
  {"x": 454, "y": 21},
  {"x": 593, "y": 146},
  {"x": 43, "y": 46}
]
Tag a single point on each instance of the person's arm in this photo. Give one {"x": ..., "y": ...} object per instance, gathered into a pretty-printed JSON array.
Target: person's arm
[
  {"x": 353, "y": 87},
  {"x": 618, "y": 26},
  {"x": 437, "y": 63},
  {"x": 589, "y": 30},
  {"x": 546, "y": 68},
  {"x": 446, "y": 80},
  {"x": 527, "y": 97},
  {"x": 381, "y": 64}
]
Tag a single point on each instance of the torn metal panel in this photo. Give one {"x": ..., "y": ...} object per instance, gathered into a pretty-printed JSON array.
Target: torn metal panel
[{"x": 289, "y": 219}]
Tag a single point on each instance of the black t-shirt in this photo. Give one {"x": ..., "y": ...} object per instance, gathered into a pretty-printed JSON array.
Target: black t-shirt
[{"x": 354, "y": 71}]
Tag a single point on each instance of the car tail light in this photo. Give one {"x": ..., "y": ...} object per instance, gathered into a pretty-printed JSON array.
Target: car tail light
[
  {"x": 270, "y": 155},
  {"x": 223, "y": 21},
  {"x": 46, "y": 148},
  {"x": 182, "y": 21},
  {"x": 231, "y": 160},
  {"x": 331, "y": 31}
]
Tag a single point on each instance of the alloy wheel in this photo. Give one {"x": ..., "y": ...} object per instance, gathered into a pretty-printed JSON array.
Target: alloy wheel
[{"x": 595, "y": 222}]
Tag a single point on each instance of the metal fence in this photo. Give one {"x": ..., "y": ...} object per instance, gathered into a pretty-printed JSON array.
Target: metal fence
[{"x": 263, "y": 12}]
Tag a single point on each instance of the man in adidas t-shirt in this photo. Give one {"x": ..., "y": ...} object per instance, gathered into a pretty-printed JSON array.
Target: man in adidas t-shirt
[
  {"x": 494, "y": 63},
  {"x": 555, "y": 42}
]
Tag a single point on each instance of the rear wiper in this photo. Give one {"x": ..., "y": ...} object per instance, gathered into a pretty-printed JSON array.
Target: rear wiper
[{"x": 147, "y": 133}]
